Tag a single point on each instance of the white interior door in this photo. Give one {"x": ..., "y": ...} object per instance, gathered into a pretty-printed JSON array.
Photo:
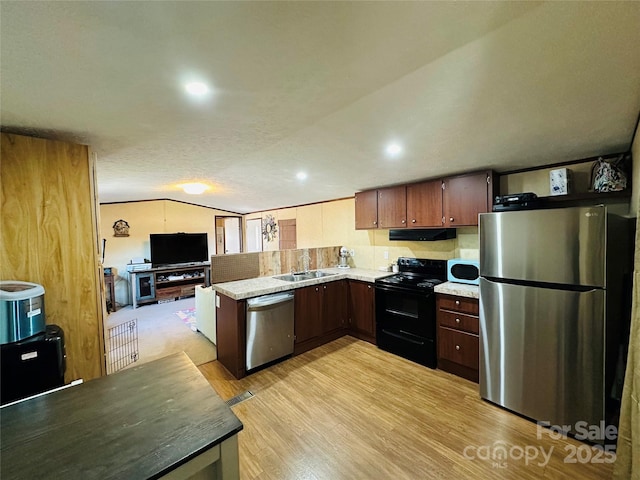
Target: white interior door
[
  {"x": 232, "y": 235},
  {"x": 254, "y": 235}
]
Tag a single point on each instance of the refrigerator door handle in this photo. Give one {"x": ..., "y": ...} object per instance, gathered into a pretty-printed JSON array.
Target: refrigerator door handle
[{"x": 548, "y": 285}]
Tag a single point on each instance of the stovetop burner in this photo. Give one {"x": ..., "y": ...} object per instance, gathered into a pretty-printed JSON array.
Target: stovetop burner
[
  {"x": 410, "y": 281},
  {"x": 432, "y": 282},
  {"x": 417, "y": 274}
]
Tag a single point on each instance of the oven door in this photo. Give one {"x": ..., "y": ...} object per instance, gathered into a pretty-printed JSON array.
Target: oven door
[{"x": 406, "y": 325}]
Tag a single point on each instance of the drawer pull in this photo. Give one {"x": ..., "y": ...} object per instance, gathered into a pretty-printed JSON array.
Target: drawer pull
[
  {"x": 457, "y": 347},
  {"x": 457, "y": 320},
  {"x": 457, "y": 302},
  {"x": 413, "y": 221}
]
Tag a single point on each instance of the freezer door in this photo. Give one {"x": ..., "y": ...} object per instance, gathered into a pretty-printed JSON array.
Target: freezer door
[
  {"x": 542, "y": 352},
  {"x": 563, "y": 245}
]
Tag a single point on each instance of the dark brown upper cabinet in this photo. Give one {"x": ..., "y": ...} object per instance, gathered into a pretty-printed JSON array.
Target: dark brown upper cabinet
[
  {"x": 392, "y": 207},
  {"x": 367, "y": 209},
  {"x": 424, "y": 204},
  {"x": 450, "y": 202},
  {"x": 465, "y": 196}
]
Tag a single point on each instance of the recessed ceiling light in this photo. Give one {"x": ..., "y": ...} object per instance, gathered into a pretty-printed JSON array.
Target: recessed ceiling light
[
  {"x": 394, "y": 149},
  {"x": 194, "y": 188},
  {"x": 197, "y": 88},
  {"x": 301, "y": 176}
]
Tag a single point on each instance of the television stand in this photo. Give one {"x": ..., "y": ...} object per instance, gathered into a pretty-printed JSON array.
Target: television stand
[{"x": 168, "y": 282}]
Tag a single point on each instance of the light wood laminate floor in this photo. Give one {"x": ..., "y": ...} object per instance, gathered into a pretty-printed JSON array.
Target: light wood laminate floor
[{"x": 348, "y": 410}]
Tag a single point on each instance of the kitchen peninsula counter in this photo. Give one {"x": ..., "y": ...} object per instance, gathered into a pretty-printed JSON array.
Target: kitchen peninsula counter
[
  {"x": 160, "y": 418},
  {"x": 254, "y": 287}
]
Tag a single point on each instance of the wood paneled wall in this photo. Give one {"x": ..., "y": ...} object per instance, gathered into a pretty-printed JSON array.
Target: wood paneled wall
[{"x": 48, "y": 236}]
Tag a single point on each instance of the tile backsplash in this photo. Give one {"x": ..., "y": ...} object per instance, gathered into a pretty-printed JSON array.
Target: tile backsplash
[{"x": 228, "y": 268}]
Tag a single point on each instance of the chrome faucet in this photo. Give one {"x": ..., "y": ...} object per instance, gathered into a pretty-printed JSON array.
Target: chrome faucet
[{"x": 305, "y": 262}]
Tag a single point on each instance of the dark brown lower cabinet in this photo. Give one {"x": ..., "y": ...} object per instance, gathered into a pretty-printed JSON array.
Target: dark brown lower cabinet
[
  {"x": 362, "y": 311},
  {"x": 308, "y": 320},
  {"x": 334, "y": 306},
  {"x": 458, "y": 343},
  {"x": 231, "y": 335},
  {"x": 320, "y": 314}
]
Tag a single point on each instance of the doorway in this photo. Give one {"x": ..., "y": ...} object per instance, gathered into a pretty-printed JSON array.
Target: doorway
[{"x": 228, "y": 235}]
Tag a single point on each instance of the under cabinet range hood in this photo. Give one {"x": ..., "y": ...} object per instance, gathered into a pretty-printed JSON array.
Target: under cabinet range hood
[{"x": 422, "y": 234}]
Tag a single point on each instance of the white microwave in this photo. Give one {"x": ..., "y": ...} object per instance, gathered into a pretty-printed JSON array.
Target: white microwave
[{"x": 460, "y": 270}]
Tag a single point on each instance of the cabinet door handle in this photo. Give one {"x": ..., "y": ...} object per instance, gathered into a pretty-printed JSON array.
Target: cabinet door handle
[
  {"x": 369, "y": 286},
  {"x": 457, "y": 347},
  {"x": 457, "y": 320},
  {"x": 451, "y": 219},
  {"x": 375, "y": 223},
  {"x": 413, "y": 221},
  {"x": 457, "y": 302},
  {"x": 317, "y": 289},
  {"x": 404, "y": 221},
  {"x": 325, "y": 287}
]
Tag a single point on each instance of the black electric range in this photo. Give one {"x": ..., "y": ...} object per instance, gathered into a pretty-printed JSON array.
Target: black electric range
[{"x": 406, "y": 309}]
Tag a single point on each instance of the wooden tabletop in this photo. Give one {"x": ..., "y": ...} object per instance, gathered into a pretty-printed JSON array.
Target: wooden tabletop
[{"x": 140, "y": 423}]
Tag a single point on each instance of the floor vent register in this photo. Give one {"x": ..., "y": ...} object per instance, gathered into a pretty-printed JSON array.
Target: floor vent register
[{"x": 239, "y": 398}]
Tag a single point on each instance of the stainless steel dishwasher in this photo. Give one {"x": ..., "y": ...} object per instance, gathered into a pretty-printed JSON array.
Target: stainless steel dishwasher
[{"x": 269, "y": 328}]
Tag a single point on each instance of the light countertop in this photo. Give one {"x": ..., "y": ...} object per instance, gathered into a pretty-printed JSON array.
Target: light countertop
[
  {"x": 254, "y": 287},
  {"x": 458, "y": 289}
]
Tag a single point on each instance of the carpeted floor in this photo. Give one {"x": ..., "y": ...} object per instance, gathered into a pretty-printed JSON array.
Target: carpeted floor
[{"x": 162, "y": 330}]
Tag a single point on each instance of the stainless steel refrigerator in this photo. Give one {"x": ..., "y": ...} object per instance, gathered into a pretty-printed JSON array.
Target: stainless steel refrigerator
[{"x": 551, "y": 310}]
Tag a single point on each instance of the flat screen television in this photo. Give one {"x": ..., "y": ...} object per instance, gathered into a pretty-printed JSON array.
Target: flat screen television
[{"x": 171, "y": 248}]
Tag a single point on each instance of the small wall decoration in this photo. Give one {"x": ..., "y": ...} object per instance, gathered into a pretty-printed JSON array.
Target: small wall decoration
[
  {"x": 269, "y": 228},
  {"x": 121, "y": 228}
]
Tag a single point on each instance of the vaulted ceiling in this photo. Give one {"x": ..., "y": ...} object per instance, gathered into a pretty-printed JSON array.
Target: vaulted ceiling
[{"x": 320, "y": 88}]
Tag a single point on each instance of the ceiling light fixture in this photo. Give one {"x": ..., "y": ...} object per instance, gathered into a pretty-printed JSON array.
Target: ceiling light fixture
[
  {"x": 394, "y": 149},
  {"x": 194, "y": 188},
  {"x": 301, "y": 176},
  {"x": 197, "y": 89}
]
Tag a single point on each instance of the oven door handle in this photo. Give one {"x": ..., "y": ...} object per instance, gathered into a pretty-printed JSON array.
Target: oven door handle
[
  {"x": 406, "y": 290},
  {"x": 407, "y": 336}
]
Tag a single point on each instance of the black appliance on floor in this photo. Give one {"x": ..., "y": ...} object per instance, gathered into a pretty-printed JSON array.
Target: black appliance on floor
[
  {"x": 32, "y": 366},
  {"x": 32, "y": 354},
  {"x": 406, "y": 309}
]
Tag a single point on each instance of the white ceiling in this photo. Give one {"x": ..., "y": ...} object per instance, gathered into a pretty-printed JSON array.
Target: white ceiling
[{"x": 319, "y": 87}]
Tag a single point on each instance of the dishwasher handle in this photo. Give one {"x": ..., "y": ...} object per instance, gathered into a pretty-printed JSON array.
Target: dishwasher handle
[{"x": 266, "y": 301}]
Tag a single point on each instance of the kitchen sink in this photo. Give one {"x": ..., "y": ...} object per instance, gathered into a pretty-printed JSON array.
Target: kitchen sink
[
  {"x": 319, "y": 274},
  {"x": 298, "y": 277}
]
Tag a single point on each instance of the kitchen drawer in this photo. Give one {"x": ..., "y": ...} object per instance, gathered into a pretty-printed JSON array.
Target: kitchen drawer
[
  {"x": 458, "y": 347},
  {"x": 458, "y": 321},
  {"x": 458, "y": 304}
]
